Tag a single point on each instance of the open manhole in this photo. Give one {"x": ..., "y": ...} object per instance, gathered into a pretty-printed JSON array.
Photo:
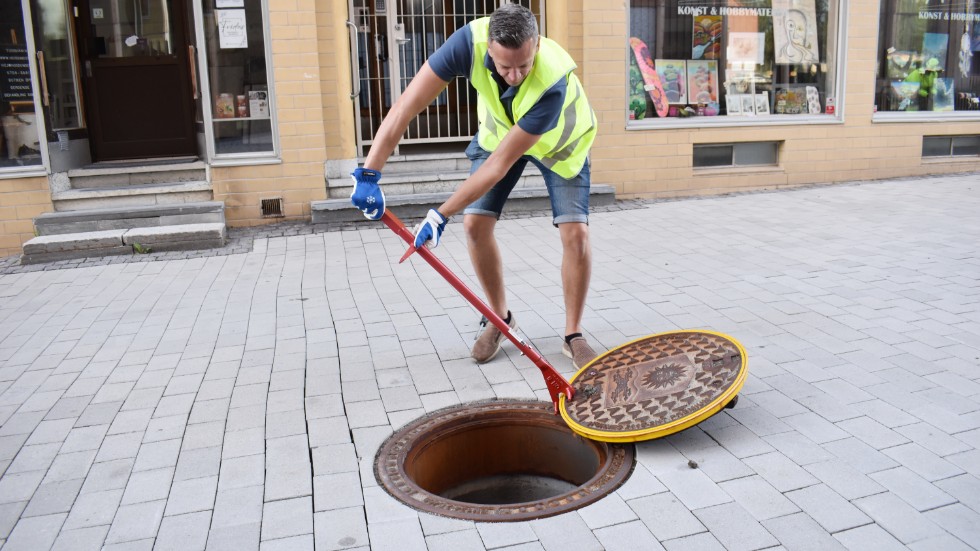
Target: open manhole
[{"x": 498, "y": 461}]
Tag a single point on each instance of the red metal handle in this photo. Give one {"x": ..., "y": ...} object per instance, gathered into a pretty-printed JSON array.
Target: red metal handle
[{"x": 557, "y": 385}]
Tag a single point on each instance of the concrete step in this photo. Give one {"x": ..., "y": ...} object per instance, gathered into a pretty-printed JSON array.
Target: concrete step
[
  {"x": 78, "y": 221},
  {"x": 421, "y": 183},
  {"x": 131, "y": 196},
  {"x": 524, "y": 199},
  {"x": 110, "y": 176},
  {"x": 50, "y": 248},
  {"x": 414, "y": 163}
]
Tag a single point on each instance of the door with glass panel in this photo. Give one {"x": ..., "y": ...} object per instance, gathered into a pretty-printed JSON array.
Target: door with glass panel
[
  {"x": 136, "y": 78},
  {"x": 393, "y": 40}
]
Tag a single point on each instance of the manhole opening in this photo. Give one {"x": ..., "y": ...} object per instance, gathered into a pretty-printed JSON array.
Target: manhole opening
[{"x": 499, "y": 461}]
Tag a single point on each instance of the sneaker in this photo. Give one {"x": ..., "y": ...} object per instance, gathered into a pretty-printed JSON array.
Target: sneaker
[
  {"x": 488, "y": 343},
  {"x": 579, "y": 351}
]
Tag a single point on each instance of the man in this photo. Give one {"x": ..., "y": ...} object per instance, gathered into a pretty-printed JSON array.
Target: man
[{"x": 532, "y": 108}]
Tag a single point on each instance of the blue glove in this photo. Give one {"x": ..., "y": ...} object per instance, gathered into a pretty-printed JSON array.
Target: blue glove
[
  {"x": 367, "y": 194},
  {"x": 430, "y": 229}
]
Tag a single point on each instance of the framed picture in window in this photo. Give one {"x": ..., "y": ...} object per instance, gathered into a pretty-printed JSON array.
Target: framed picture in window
[{"x": 762, "y": 103}]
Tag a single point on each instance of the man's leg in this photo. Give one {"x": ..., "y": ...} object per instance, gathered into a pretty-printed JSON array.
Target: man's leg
[
  {"x": 576, "y": 271},
  {"x": 485, "y": 256}
]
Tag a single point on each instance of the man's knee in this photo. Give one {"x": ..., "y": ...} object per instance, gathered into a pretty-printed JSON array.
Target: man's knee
[
  {"x": 575, "y": 238},
  {"x": 478, "y": 228}
]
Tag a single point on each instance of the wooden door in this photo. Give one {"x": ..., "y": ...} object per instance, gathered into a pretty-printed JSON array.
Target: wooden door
[{"x": 136, "y": 78}]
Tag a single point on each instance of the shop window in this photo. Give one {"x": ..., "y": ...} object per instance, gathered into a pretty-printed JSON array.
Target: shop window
[
  {"x": 726, "y": 60},
  {"x": 21, "y": 138},
  {"x": 57, "y": 56},
  {"x": 241, "y": 103},
  {"x": 950, "y": 146},
  {"x": 736, "y": 155},
  {"x": 929, "y": 57}
]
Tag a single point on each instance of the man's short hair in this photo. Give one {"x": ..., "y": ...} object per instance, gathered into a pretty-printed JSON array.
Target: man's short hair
[{"x": 511, "y": 25}]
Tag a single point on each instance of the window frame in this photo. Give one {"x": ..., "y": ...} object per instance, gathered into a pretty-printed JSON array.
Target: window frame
[
  {"x": 723, "y": 121},
  {"x": 912, "y": 116},
  {"x": 207, "y": 104},
  {"x": 777, "y": 147},
  {"x": 44, "y": 168}
]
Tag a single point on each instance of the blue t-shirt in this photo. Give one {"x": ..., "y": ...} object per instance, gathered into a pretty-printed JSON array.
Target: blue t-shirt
[{"x": 454, "y": 58}]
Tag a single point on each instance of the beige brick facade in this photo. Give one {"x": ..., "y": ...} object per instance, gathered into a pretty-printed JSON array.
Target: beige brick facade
[
  {"x": 21, "y": 199},
  {"x": 658, "y": 162}
]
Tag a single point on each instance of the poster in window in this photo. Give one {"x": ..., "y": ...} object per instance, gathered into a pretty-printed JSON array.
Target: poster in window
[
  {"x": 746, "y": 48},
  {"x": 791, "y": 101},
  {"x": 794, "y": 27},
  {"x": 762, "y": 103},
  {"x": 966, "y": 56},
  {"x": 748, "y": 104},
  {"x": 943, "y": 98},
  {"x": 733, "y": 103},
  {"x": 900, "y": 63},
  {"x": 934, "y": 47},
  {"x": 702, "y": 81},
  {"x": 673, "y": 74},
  {"x": 905, "y": 96},
  {"x": 706, "y": 41},
  {"x": 232, "y": 31}
]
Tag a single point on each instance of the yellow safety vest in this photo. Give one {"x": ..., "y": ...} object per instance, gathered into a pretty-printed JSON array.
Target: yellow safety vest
[{"x": 562, "y": 149}]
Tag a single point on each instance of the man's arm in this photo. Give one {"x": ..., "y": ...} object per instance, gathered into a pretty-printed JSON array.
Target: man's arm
[
  {"x": 516, "y": 143},
  {"x": 420, "y": 92}
]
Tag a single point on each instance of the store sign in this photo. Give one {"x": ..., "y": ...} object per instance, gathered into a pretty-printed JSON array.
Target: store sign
[
  {"x": 946, "y": 16},
  {"x": 698, "y": 11},
  {"x": 15, "y": 74}
]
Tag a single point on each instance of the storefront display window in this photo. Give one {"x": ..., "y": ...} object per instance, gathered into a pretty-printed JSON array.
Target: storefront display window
[
  {"x": 241, "y": 103},
  {"x": 929, "y": 57},
  {"x": 732, "y": 60},
  {"x": 21, "y": 138}
]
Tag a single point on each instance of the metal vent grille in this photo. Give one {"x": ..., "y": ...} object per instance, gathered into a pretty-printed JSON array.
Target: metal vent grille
[{"x": 272, "y": 208}]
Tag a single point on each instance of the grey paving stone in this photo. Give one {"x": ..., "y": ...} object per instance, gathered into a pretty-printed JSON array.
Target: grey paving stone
[
  {"x": 734, "y": 527},
  {"x": 666, "y": 516},
  {"x": 240, "y": 443},
  {"x": 498, "y": 535},
  {"x": 191, "y": 496},
  {"x": 872, "y": 433},
  {"x": 608, "y": 511},
  {"x": 933, "y": 439},
  {"x": 897, "y": 517},
  {"x": 81, "y": 539},
  {"x": 337, "y": 458},
  {"x": 958, "y": 520},
  {"x": 53, "y": 497},
  {"x": 329, "y": 430},
  {"x": 912, "y": 488},
  {"x": 627, "y": 537},
  {"x": 204, "y": 462},
  {"x": 692, "y": 487},
  {"x": 869, "y": 537},
  {"x": 778, "y": 470},
  {"x": 452, "y": 541},
  {"x": 800, "y": 531},
  {"x": 946, "y": 542},
  {"x": 969, "y": 461},
  {"x": 93, "y": 509},
  {"x": 815, "y": 427},
  {"x": 239, "y": 537},
  {"x": 84, "y": 438},
  {"x": 288, "y": 470},
  {"x": 31, "y": 534},
  {"x": 759, "y": 498},
  {"x": 828, "y": 508},
  {"x": 241, "y": 472},
  {"x": 340, "y": 529},
  {"x": 287, "y": 518},
  {"x": 718, "y": 463},
  {"x": 398, "y": 534},
  {"x": 564, "y": 531},
  {"x": 135, "y": 522},
  {"x": 295, "y": 543},
  {"x": 238, "y": 507},
  {"x": 922, "y": 462},
  {"x": 19, "y": 486},
  {"x": 844, "y": 480},
  {"x": 146, "y": 486},
  {"x": 188, "y": 532},
  {"x": 9, "y": 515},
  {"x": 860, "y": 456},
  {"x": 34, "y": 458},
  {"x": 704, "y": 541},
  {"x": 640, "y": 484},
  {"x": 157, "y": 455}
]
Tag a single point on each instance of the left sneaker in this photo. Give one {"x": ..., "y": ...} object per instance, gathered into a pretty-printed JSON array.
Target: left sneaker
[{"x": 579, "y": 351}]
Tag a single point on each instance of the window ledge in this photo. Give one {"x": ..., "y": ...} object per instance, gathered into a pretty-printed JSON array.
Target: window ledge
[
  {"x": 724, "y": 121},
  {"x": 39, "y": 172},
  {"x": 245, "y": 161},
  {"x": 926, "y": 116},
  {"x": 964, "y": 159},
  {"x": 729, "y": 170}
]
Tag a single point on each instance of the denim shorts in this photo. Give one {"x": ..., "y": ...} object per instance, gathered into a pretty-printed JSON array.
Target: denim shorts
[{"x": 569, "y": 198}]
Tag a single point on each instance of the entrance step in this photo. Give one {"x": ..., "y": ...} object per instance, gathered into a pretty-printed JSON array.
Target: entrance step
[
  {"x": 138, "y": 173},
  {"x": 49, "y": 248},
  {"x": 140, "y": 195},
  {"x": 78, "y": 221},
  {"x": 524, "y": 199}
]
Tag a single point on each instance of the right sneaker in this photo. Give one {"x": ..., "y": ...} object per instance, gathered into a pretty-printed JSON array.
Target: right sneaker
[
  {"x": 579, "y": 351},
  {"x": 488, "y": 343}
]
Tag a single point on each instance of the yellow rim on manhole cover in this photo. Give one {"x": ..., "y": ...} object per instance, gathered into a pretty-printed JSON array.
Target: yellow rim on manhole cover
[{"x": 655, "y": 385}]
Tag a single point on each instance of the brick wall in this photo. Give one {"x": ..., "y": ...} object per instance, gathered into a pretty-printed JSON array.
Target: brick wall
[
  {"x": 296, "y": 77},
  {"x": 658, "y": 162},
  {"x": 21, "y": 199}
]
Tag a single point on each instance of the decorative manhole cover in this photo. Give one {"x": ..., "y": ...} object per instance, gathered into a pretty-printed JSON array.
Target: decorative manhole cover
[
  {"x": 498, "y": 461},
  {"x": 655, "y": 386}
]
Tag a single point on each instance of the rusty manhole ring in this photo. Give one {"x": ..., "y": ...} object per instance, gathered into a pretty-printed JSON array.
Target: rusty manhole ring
[{"x": 498, "y": 461}]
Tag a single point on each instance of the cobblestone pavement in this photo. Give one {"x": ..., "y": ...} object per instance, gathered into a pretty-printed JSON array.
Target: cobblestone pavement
[{"x": 235, "y": 399}]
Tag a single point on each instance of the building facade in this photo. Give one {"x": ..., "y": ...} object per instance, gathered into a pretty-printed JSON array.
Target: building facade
[{"x": 273, "y": 102}]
